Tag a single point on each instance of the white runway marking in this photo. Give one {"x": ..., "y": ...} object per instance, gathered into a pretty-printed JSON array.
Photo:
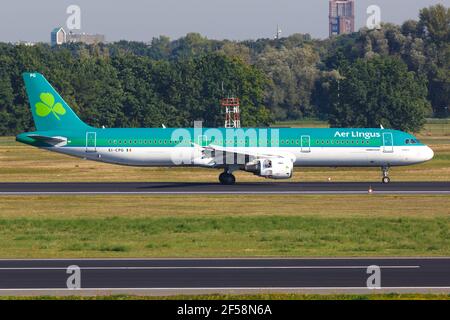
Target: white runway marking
[
  {"x": 230, "y": 288},
  {"x": 209, "y": 268}
]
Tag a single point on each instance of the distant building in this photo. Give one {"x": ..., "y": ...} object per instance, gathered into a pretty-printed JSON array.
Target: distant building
[
  {"x": 24, "y": 43},
  {"x": 58, "y": 36},
  {"x": 85, "y": 38},
  {"x": 342, "y": 17}
]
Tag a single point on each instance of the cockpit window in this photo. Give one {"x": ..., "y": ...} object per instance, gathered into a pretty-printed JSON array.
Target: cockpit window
[
  {"x": 407, "y": 141},
  {"x": 413, "y": 141}
]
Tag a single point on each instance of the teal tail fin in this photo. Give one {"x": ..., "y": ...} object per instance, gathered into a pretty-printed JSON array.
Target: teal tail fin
[{"x": 50, "y": 111}]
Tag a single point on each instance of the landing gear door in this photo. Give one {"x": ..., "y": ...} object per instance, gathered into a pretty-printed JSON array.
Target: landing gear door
[
  {"x": 305, "y": 144},
  {"x": 91, "y": 142},
  {"x": 388, "y": 142}
]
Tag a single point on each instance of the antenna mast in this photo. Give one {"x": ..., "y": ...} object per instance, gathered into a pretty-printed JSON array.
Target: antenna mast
[{"x": 278, "y": 34}]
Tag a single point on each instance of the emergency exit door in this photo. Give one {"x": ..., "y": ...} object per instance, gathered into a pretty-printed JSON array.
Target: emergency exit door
[
  {"x": 91, "y": 141},
  {"x": 306, "y": 144}
]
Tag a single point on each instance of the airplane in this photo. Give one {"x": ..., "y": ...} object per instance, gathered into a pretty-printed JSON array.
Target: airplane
[{"x": 266, "y": 152}]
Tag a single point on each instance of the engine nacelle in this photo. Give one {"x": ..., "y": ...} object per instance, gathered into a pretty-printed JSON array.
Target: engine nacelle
[{"x": 273, "y": 168}]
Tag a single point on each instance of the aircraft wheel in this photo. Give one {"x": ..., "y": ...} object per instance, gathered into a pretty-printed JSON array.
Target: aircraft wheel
[
  {"x": 227, "y": 179},
  {"x": 385, "y": 180}
]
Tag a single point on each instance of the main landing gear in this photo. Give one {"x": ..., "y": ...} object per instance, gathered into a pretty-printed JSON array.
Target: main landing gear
[
  {"x": 227, "y": 177},
  {"x": 385, "y": 178}
]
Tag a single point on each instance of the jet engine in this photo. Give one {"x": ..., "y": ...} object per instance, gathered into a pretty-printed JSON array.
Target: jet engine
[{"x": 273, "y": 168}]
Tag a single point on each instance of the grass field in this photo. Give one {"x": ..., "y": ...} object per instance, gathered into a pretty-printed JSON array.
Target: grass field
[
  {"x": 19, "y": 162},
  {"x": 223, "y": 226},
  {"x": 24, "y": 163},
  {"x": 249, "y": 297},
  {"x": 219, "y": 226}
]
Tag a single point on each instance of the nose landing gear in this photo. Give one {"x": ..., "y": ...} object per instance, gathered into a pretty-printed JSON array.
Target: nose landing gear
[{"x": 385, "y": 178}]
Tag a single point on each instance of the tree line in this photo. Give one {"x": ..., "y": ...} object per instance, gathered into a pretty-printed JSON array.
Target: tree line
[{"x": 395, "y": 76}]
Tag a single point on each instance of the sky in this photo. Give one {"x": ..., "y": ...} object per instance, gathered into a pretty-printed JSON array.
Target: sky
[{"x": 141, "y": 20}]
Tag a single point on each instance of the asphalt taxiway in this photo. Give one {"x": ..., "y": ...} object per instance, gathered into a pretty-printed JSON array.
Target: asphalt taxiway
[
  {"x": 186, "y": 276},
  {"x": 39, "y": 188}
]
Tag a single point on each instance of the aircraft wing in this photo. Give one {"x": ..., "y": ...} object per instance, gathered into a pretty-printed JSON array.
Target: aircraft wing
[
  {"x": 243, "y": 152},
  {"x": 212, "y": 155}
]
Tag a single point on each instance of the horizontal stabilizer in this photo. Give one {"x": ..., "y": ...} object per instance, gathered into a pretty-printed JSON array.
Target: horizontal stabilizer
[{"x": 49, "y": 140}]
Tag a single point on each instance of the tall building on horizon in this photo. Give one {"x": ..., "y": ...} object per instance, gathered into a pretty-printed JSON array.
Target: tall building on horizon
[
  {"x": 58, "y": 36},
  {"x": 342, "y": 17}
]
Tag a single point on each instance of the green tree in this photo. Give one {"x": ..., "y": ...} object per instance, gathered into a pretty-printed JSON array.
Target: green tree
[
  {"x": 292, "y": 74},
  {"x": 379, "y": 91},
  {"x": 196, "y": 88},
  {"x": 434, "y": 24},
  {"x": 99, "y": 93}
]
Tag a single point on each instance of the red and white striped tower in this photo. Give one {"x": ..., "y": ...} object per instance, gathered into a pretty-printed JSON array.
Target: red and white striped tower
[{"x": 232, "y": 113}]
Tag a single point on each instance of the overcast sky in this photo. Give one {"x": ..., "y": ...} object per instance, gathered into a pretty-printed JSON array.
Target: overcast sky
[{"x": 142, "y": 20}]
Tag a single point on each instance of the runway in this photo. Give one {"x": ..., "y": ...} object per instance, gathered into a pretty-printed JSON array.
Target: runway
[
  {"x": 216, "y": 188},
  {"x": 185, "y": 276}
]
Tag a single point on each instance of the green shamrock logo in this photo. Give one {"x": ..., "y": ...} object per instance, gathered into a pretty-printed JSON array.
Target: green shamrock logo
[{"x": 47, "y": 105}]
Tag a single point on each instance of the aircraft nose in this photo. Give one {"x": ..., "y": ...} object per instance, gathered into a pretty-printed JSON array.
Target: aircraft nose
[{"x": 428, "y": 153}]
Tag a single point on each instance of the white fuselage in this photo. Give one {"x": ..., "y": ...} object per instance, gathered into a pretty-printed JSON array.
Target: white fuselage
[{"x": 313, "y": 157}]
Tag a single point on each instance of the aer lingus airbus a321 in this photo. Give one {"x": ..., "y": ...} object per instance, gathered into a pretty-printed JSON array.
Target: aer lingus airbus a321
[{"x": 266, "y": 152}]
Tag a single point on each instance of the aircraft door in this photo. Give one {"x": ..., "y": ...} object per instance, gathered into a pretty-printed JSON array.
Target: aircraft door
[
  {"x": 91, "y": 142},
  {"x": 306, "y": 144},
  {"x": 388, "y": 142}
]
